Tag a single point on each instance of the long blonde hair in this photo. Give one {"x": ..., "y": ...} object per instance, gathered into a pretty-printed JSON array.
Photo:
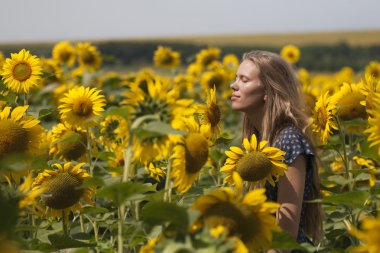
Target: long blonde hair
[{"x": 284, "y": 107}]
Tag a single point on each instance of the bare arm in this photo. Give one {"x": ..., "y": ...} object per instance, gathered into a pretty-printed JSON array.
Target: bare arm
[{"x": 290, "y": 196}]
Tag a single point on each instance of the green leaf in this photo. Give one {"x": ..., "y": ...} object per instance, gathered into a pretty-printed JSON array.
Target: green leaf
[
  {"x": 118, "y": 111},
  {"x": 65, "y": 242},
  {"x": 93, "y": 181},
  {"x": 104, "y": 156},
  {"x": 94, "y": 210},
  {"x": 44, "y": 113},
  {"x": 158, "y": 213},
  {"x": 21, "y": 162},
  {"x": 354, "y": 198},
  {"x": 283, "y": 240},
  {"x": 120, "y": 192}
]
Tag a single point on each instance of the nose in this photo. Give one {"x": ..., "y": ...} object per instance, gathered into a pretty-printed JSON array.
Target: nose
[{"x": 233, "y": 85}]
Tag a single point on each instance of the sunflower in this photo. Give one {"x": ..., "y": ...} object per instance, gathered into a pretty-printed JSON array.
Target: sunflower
[
  {"x": 231, "y": 62},
  {"x": 367, "y": 164},
  {"x": 166, "y": 105},
  {"x": 63, "y": 189},
  {"x": 374, "y": 123},
  {"x": 345, "y": 75},
  {"x": 67, "y": 142},
  {"x": 113, "y": 128},
  {"x": 304, "y": 76},
  {"x": 52, "y": 70},
  {"x": 1, "y": 60},
  {"x": 190, "y": 155},
  {"x": 194, "y": 70},
  {"x": 369, "y": 88},
  {"x": 155, "y": 172},
  {"x": 249, "y": 218},
  {"x": 88, "y": 57},
  {"x": 373, "y": 70},
  {"x": 28, "y": 196},
  {"x": 324, "y": 123},
  {"x": 257, "y": 163},
  {"x": 207, "y": 56},
  {"x": 166, "y": 57},
  {"x": 347, "y": 102},
  {"x": 185, "y": 82},
  {"x": 368, "y": 234},
  {"x": 22, "y": 72},
  {"x": 214, "y": 78},
  {"x": 64, "y": 53},
  {"x": 18, "y": 133},
  {"x": 290, "y": 53},
  {"x": 211, "y": 114},
  {"x": 82, "y": 106}
]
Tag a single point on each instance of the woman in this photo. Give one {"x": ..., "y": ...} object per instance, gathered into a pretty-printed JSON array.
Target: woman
[{"x": 269, "y": 95}]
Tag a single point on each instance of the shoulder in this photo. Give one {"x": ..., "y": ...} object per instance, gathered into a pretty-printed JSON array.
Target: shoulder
[{"x": 293, "y": 142}]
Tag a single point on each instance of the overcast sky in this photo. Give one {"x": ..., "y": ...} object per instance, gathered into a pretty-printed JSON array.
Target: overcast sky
[{"x": 53, "y": 20}]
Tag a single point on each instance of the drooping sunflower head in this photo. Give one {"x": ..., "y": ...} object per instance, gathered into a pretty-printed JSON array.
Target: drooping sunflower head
[
  {"x": 290, "y": 53},
  {"x": 248, "y": 218},
  {"x": 81, "y": 107},
  {"x": 166, "y": 57},
  {"x": 64, "y": 53},
  {"x": 207, "y": 56},
  {"x": 257, "y": 163},
  {"x": 18, "y": 133},
  {"x": 88, "y": 56},
  {"x": 63, "y": 189},
  {"x": 373, "y": 70},
  {"x": 190, "y": 155},
  {"x": 347, "y": 102},
  {"x": 68, "y": 143},
  {"x": 22, "y": 72},
  {"x": 324, "y": 123}
]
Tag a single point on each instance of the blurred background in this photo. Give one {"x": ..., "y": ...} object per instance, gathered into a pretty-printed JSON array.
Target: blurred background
[{"x": 331, "y": 34}]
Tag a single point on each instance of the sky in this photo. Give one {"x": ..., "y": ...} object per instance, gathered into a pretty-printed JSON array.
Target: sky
[{"x": 54, "y": 20}]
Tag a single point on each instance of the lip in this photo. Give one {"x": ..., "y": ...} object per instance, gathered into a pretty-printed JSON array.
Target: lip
[{"x": 234, "y": 97}]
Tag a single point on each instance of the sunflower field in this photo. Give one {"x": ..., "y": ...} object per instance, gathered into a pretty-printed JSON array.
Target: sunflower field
[{"x": 93, "y": 160}]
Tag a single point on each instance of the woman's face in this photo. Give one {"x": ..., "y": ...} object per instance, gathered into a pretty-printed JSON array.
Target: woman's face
[{"x": 248, "y": 92}]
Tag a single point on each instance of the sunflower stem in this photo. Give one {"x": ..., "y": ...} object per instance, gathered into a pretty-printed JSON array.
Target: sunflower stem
[
  {"x": 167, "y": 193},
  {"x": 81, "y": 223},
  {"x": 64, "y": 224},
  {"x": 345, "y": 157},
  {"x": 89, "y": 152},
  {"x": 120, "y": 229},
  {"x": 127, "y": 162},
  {"x": 25, "y": 98}
]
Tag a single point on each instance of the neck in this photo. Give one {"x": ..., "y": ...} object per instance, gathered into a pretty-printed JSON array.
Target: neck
[{"x": 256, "y": 120}]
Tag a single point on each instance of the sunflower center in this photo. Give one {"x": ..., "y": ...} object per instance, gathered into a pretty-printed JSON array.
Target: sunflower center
[
  {"x": 22, "y": 71},
  {"x": 254, "y": 166},
  {"x": 208, "y": 59},
  {"x": 238, "y": 221},
  {"x": 63, "y": 190},
  {"x": 350, "y": 107},
  {"x": 82, "y": 106},
  {"x": 13, "y": 137},
  {"x": 213, "y": 114},
  {"x": 64, "y": 56},
  {"x": 167, "y": 59},
  {"x": 88, "y": 58},
  {"x": 72, "y": 145},
  {"x": 216, "y": 79},
  {"x": 196, "y": 150}
]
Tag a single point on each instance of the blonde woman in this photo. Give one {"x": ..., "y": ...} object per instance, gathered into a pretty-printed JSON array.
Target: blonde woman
[{"x": 268, "y": 94}]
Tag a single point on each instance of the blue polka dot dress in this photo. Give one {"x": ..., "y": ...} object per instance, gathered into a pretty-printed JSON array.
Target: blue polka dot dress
[{"x": 293, "y": 142}]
